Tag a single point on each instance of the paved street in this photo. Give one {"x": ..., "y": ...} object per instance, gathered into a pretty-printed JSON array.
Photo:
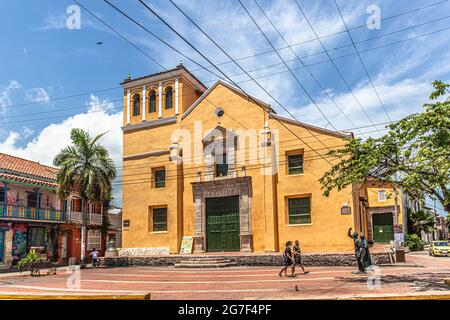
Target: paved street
[{"x": 242, "y": 282}]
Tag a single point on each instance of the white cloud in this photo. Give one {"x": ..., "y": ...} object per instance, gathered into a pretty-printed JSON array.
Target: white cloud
[
  {"x": 54, "y": 137},
  {"x": 400, "y": 99},
  {"x": 5, "y": 94},
  {"x": 53, "y": 21},
  {"x": 37, "y": 95}
]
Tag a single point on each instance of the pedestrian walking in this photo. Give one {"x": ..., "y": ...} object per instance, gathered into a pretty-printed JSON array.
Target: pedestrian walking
[
  {"x": 358, "y": 250},
  {"x": 94, "y": 256},
  {"x": 288, "y": 260},
  {"x": 297, "y": 258}
]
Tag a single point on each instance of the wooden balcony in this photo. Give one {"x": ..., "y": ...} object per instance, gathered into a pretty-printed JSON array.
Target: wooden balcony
[
  {"x": 75, "y": 217},
  {"x": 95, "y": 219},
  {"x": 25, "y": 213}
]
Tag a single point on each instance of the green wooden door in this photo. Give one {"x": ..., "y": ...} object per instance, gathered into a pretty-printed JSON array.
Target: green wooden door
[
  {"x": 222, "y": 224},
  {"x": 383, "y": 227},
  {"x": 2, "y": 245}
]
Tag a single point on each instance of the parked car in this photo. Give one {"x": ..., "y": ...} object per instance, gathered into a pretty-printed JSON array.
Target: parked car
[{"x": 439, "y": 248}]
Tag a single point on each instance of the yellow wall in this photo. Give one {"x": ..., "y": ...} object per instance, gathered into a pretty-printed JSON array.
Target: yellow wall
[
  {"x": 372, "y": 196},
  {"x": 326, "y": 233}
]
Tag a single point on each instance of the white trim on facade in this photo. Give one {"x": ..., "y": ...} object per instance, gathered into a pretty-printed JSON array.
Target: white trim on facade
[
  {"x": 128, "y": 106},
  {"x": 160, "y": 99},
  {"x": 176, "y": 96},
  {"x": 144, "y": 96}
]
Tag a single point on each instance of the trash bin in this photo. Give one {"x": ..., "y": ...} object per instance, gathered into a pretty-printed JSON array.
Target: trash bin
[{"x": 400, "y": 255}]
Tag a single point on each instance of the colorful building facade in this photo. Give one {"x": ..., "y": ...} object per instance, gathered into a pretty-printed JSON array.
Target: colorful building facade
[
  {"x": 32, "y": 216},
  {"x": 223, "y": 168}
]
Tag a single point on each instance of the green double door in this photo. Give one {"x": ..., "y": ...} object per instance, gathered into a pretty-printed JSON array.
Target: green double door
[
  {"x": 222, "y": 224},
  {"x": 383, "y": 227}
]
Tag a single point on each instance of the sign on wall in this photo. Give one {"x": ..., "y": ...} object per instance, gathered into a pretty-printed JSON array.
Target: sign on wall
[{"x": 186, "y": 245}]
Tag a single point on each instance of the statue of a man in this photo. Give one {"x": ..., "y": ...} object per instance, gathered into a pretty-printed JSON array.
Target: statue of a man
[{"x": 358, "y": 250}]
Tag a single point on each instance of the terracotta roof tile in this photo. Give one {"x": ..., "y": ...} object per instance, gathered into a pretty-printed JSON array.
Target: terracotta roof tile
[{"x": 22, "y": 169}]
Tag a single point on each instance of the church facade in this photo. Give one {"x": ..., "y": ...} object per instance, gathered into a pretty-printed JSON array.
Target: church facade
[{"x": 223, "y": 168}]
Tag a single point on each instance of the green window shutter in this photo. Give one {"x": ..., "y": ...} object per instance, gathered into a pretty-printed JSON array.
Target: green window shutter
[
  {"x": 160, "y": 219},
  {"x": 160, "y": 178},
  {"x": 295, "y": 164},
  {"x": 299, "y": 210}
]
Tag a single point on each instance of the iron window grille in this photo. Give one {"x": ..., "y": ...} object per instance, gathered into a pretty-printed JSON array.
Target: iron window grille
[
  {"x": 160, "y": 178},
  {"x": 169, "y": 95},
  {"x": 299, "y": 210},
  {"x": 136, "y": 105},
  {"x": 295, "y": 164},
  {"x": 152, "y": 102},
  {"x": 159, "y": 219}
]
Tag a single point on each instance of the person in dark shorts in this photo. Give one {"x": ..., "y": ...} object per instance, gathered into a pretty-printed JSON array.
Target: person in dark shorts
[
  {"x": 298, "y": 258},
  {"x": 94, "y": 255},
  {"x": 288, "y": 260}
]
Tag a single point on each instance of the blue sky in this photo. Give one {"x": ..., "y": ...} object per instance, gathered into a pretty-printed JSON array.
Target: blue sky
[{"x": 41, "y": 59}]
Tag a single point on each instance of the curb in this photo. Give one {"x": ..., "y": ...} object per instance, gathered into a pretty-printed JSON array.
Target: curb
[{"x": 75, "y": 297}]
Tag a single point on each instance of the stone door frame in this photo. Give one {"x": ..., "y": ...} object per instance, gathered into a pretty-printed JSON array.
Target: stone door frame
[
  {"x": 375, "y": 210},
  {"x": 241, "y": 187}
]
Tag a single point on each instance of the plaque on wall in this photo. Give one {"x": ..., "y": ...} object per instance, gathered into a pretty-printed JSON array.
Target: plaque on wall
[
  {"x": 346, "y": 210},
  {"x": 126, "y": 223},
  {"x": 186, "y": 245}
]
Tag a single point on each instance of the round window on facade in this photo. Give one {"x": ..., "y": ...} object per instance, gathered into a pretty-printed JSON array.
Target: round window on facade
[{"x": 219, "y": 112}]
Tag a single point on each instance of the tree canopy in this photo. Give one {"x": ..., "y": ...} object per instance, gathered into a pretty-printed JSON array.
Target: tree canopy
[
  {"x": 85, "y": 165},
  {"x": 414, "y": 154}
]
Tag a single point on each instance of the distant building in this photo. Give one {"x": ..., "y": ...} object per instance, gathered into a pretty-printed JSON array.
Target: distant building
[
  {"x": 115, "y": 228},
  {"x": 32, "y": 216}
]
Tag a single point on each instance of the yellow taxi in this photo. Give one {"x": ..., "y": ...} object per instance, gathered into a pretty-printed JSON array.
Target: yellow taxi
[{"x": 439, "y": 248}]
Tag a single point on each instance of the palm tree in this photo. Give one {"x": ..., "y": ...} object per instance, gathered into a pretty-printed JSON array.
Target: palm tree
[
  {"x": 86, "y": 166},
  {"x": 421, "y": 221}
]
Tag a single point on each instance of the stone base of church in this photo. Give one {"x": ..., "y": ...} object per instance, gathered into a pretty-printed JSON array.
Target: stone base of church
[{"x": 244, "y": 259}]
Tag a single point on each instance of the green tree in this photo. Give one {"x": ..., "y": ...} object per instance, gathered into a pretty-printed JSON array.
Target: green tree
[
  {"x": 421, "y": 221},
  {"x": 414, "y": 154},
  {"x": 85, "y": 165}
]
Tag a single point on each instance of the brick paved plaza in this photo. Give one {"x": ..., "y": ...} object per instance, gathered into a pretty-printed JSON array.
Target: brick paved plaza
[{"x": 424, "y": 279}]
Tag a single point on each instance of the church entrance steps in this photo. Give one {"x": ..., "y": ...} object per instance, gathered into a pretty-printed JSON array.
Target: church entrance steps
[{"x": 204, "y": 262}]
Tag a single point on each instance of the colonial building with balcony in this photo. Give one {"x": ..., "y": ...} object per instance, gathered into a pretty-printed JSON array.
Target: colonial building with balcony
[{"x": 32, "y": 216}]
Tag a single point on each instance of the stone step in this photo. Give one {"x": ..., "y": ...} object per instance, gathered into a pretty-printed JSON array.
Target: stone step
[
  {"x": 204, "y": 265},
  {"x": 205, "y": 261},
  {"x": 202, "y": 258}
]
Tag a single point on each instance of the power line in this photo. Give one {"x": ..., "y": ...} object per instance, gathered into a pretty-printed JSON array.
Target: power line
[
  {"x": 201, "y": 54},
  {"x": 297, "y": 57},
  {"x": 335, "y": 66},
  {"x": 60, "y": 98},
  {"x": 362, "y": 62},
  {"x": 283, "y": 141},
  {"x": 336, "y": 33},
  {"x": 287, "y": 66},
  {"x": 242, "y": 58}
]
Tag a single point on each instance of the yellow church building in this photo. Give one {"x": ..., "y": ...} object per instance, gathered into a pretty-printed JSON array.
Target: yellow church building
[{"x": 224, "y": 168}]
